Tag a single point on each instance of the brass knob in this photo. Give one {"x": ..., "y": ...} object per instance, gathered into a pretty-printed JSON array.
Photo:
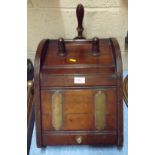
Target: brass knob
[
  {"x": 29, "y": 83},
  {"x": 79, "y": 139}
]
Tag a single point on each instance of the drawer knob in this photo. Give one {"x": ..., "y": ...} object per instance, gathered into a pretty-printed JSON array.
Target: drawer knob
[{"x": 79, "y": 139}]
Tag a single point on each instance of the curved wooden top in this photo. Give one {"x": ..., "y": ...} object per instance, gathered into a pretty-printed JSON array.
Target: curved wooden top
[
  {"x": 117, "y": 56},
  {"x": 79, "y": 55}
]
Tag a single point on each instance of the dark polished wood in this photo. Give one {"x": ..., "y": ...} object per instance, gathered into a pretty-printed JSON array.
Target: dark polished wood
[
  {"x": 125, "y": 90},
  {"x": 40, "y": 55},
  {"x": 72, "y": 80},
  {"x": 95, "y": 46},
  {"x": 30, "y": 113},
  {"x": 126, "y": 42},
  {"x": 80, "y": 15},
  {"x": 61, "y": 47}
]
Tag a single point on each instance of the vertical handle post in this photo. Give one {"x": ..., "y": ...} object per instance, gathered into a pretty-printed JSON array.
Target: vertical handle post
[{"x": 80, "y": 15}]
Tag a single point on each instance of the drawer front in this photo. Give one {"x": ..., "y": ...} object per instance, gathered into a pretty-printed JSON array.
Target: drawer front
[
  {"x": 78, "y": 80},
  {"x": 78, "y": 110},
  {"x": 79, "y": 138}
]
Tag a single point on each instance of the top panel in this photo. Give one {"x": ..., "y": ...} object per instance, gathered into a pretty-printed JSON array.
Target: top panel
[{"x": 78, "y": 53}]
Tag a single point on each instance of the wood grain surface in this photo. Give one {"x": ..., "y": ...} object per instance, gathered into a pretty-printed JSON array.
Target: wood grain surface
[{"x": 56, "y": 69}]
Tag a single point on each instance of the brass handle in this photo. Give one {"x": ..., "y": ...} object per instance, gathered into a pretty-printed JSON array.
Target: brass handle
[{"x": 79, "y": 139}]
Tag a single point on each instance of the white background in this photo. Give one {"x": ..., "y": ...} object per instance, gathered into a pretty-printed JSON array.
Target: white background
[{"x": 13, "y": 76}]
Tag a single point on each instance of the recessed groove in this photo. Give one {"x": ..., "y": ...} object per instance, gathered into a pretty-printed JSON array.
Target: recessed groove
[
  {"x": 77, "y": 66},
  {"x": 77, "y": 88},
  {"x": 62, "y": 132}
]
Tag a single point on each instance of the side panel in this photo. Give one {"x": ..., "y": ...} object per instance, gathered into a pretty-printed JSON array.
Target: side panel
[
  {"x": 118, "y": 63},
  {"x": 40, "y": 54}
]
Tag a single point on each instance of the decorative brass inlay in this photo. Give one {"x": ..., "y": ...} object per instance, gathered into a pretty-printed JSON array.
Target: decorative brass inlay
[
  {"x": 57, "y": 110},
  {"x": 72, "y": 60},
  {"x": 79, "y": 139},
  {"x": 100, "y": 110}
]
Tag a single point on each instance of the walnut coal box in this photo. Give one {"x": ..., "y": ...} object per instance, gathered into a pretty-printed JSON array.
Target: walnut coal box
[{"x": 78, "y": 90}]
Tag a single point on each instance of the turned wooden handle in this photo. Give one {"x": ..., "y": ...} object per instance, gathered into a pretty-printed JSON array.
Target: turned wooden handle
[
  {"x": 95, "y": 46},
  {"x": 80, "y": 15},
  {"x": 61, "y": 47}
]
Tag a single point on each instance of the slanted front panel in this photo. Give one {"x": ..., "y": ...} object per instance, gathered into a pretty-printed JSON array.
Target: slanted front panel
[{"x": 87, "y": 109}]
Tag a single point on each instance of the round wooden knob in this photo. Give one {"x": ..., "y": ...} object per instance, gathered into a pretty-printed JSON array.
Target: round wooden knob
[
  {"x": 61, "y": 47},
  {"x": 95, "y": 46},
  {"x": 79, "y": 139}
]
